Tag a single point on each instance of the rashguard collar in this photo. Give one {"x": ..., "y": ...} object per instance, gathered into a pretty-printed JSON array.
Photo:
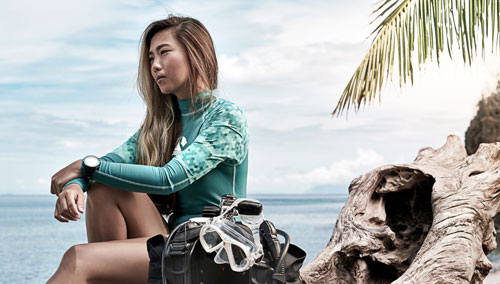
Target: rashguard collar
[{"x": 201, "y": 103}]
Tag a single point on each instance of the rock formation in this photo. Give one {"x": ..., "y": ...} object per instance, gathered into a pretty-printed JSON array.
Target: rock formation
[{"x": 485, "y": 126}]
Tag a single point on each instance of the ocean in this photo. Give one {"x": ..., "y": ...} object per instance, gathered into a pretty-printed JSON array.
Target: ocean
[{"x": 32, "y": 242}]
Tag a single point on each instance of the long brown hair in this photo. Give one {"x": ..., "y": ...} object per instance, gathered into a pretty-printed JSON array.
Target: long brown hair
[{"x": 162, "y": 125}]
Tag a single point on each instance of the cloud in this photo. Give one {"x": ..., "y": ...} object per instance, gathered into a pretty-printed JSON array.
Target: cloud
[
  {"x": 295, "y": 173},
  {"x": 72, "y": 122},
  {"x": 277, "y": 121},
  {"x": 338, "y": 172},
  {"x": 290, "y": 65},
  {"x": 68, "y": 81},
  {"x": 57, "y": 44},
  {"x": 43, "y": 182},
  {"x": 70, "y": 143},
  {"x": 52, "y": 132},
  {"x": 310, "y": 22},
  {"x": 298, "y": 49}
]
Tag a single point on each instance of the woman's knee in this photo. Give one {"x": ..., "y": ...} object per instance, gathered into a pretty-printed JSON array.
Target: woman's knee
[
  {"x": 123, "y": 261},
  {"x": 69, "y": 270},
  {"x": 69, "y": 260},
  {"x": 73, "y": 260}
]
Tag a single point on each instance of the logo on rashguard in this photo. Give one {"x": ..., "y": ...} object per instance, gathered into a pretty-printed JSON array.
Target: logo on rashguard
[{"x": 180, "y": 145}]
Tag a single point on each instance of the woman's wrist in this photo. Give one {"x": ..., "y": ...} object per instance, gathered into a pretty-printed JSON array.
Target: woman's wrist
[{"x": 83, "y": 183}]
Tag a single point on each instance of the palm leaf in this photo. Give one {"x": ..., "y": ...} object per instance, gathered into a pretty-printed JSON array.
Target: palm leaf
[{"x": 421, "y": 28}]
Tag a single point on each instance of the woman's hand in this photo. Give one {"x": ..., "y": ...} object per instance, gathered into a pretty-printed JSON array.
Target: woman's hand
[
  {"x": 69, "y": 204},
  {"x": 68, "y": 173}
]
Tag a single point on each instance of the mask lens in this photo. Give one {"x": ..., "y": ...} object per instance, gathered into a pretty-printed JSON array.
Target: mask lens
[
  {"x": 239, "y": 255},
  {"x": 221, "y": 256},
  {"x": 211, "y": 239}
]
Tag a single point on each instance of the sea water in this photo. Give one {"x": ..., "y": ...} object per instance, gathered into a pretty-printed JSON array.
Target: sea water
[{"x": 32, "y": 242}]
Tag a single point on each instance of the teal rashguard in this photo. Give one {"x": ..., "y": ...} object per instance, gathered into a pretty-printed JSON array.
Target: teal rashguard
[
  {"x": 210, "y": 160},
  {"x": 122, "y": 154}
]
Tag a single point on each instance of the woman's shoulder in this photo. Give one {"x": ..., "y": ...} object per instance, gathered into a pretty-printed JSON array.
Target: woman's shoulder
[
  {"x": 226, "y": 112},
  {"x": 226, "y": 108}
]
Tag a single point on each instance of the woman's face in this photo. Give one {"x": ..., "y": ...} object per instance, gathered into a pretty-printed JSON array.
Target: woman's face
[{"x": 169, "y": 64}]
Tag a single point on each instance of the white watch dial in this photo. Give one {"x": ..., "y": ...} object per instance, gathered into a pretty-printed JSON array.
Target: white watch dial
[{"x": 91, "y": 161}]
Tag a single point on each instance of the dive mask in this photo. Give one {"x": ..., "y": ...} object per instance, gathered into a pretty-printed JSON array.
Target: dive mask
[{"x": 231, "y": 242}]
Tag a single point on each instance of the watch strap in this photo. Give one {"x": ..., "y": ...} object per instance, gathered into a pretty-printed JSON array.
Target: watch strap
[{"x": 86, "y": 171}]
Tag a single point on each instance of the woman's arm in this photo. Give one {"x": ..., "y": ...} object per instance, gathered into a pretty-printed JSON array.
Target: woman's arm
[
  {"x": 223, "y": 138},
  {"x": 72, "y": 171},
  {"x": 124, "y": 153},
  {"x": 70, "y": 202}
]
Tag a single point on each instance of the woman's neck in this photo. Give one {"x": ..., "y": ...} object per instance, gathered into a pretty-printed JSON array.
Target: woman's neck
[
  {"x": 183, "y": 93},
  {"x": 202, "y": 100}
]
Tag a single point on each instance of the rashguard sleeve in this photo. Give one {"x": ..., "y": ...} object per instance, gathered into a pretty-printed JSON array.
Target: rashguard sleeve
[
  {"x": 124, "y": 153},
  {"x": 222, "y": 139}
]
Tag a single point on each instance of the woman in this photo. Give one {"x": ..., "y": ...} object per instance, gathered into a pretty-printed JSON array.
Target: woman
[{"x": 191, "y": 142}]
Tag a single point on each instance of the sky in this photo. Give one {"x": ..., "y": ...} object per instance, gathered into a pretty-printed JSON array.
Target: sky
[{"x": 67, "y": 88}]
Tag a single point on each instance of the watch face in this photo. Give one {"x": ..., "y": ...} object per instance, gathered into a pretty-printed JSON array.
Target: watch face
[{"x": 91, "y": 161}]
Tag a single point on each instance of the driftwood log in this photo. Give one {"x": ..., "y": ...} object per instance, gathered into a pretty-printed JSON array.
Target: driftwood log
[{"x": 425, "y": 222}]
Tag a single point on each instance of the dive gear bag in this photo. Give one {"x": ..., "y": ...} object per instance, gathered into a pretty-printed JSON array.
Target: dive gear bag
[{"x": 181, "y": 258}]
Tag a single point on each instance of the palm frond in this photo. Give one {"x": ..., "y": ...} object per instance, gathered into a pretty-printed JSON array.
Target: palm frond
[{"x": 421, "y": 28}]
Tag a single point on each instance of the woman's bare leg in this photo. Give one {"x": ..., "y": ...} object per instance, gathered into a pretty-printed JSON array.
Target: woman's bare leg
[
  {"x": 121, "y": 261},
  {"x": 118, "y": 224},
  {"x": 115, "y": 214}
]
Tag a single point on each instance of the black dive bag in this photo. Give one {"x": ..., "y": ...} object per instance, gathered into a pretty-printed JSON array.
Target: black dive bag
[{"x": 181, "y": 259}]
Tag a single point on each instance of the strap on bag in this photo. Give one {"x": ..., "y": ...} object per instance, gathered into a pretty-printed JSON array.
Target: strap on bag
[{"x": 155, "y": 247}]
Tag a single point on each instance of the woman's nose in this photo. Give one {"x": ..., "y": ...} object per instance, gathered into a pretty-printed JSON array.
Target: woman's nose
[{"x": 155, "y": 65}]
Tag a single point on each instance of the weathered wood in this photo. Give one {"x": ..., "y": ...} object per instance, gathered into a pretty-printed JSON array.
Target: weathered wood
[{"x": 425, "y": 222}]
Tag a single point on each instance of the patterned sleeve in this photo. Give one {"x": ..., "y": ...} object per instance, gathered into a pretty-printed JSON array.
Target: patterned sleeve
[
  {"x": 124, "y": 153},
  {"x": 223, "y": 139}
]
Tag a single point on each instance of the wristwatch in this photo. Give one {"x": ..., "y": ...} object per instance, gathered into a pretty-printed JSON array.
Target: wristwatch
[{"x": 89, "y": 165}]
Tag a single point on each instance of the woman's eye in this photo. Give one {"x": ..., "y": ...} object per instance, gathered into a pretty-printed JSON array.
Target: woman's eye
[
  {"x": 163, "y": 51},
  {"x": 151, "y": 59}
]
